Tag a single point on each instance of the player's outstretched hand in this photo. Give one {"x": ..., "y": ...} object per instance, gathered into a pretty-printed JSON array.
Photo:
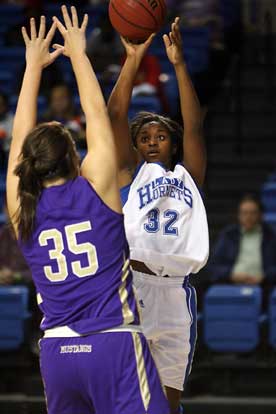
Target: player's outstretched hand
[
  {"x": 73, "y": 35},
  {"x": 37, "y": 45},
  {"x": 137, "y": 50},
  {"x": 173, "y": 44}
]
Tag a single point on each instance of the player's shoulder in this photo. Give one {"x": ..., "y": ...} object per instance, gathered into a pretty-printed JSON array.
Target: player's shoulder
[{"x": 80, "y": 188}]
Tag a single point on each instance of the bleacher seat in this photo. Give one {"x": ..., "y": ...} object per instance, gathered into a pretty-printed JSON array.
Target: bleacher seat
[
  {"x": 196, "y": 46},
  {"x": 6, "y": 81},
  {"x": 3, "y": 219},
  {"x": 269, "y": 197},
  {"x": 171, "y": 91},
  {"x": 12, "y": 59},
  {"x": 2, "y": 190},
  {"x": 144, "y": 103},
  {"x": 272, "y": 318},
  {"x": 231, "y": 318},
  {"x": 10, "y": 14},
  {"x": 41, "y": 103},
  {"x": 270, "y": 218},
  {"x": 13, "y": 314}
]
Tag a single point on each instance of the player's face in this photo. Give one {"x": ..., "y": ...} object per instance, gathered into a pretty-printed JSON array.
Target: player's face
[
  {"x": 249, "y": 215},
  {"x": 154, "y": 143}
]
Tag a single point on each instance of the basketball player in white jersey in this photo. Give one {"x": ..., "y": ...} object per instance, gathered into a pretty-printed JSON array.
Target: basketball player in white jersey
[{"x": 165, "y": 218}]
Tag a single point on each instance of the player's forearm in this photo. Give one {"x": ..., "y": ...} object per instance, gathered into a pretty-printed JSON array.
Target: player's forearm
[
  {"x": 119, "y": 100},
  {"x": 193, "y": 145},
  {"x": 90, "y": 93},
  {"x": 92, "y": 102},
  {"x": 26, "y": 110},
  {"x": 190, "y": 106}
]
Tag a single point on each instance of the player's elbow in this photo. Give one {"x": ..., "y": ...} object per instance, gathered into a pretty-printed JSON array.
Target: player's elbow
[{"x": 116, "y": 112}]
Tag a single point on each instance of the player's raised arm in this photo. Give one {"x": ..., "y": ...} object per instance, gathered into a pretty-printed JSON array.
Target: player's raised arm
[
  {"x": 37, "y": 58},
  {"x": 119, "y": 101},
  {"x": 100, "y": 164},
  {"x": 193, "y": 142}
]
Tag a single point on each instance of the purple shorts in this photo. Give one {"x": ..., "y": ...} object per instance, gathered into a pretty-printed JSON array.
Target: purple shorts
[{"x": 103, "y": 373}]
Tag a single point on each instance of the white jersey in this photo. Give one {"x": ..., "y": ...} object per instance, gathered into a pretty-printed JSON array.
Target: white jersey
[{"x": 165, "y": 221}]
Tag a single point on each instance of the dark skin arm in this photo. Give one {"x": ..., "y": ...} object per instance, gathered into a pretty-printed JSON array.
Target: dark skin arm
[
  {"x": 193, "y": 143},
  {"x": 118, "y": 106},
  {"x": 119, "y": 101}
]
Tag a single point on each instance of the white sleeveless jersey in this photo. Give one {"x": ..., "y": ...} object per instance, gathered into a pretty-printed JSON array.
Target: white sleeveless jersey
[{"x": 165, "y": 221}]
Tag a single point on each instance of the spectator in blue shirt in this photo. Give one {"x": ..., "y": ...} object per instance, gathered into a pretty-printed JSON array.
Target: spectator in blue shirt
[{"x": 245, "y": 253}]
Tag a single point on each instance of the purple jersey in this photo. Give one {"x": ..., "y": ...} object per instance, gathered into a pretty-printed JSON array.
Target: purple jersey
[{"x": 79, "y": 259}]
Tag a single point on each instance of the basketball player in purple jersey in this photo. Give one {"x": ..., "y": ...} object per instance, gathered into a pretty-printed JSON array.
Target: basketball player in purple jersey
[
  {"x": 160, "y": 169},
  {"x": 69, "y": 224}
]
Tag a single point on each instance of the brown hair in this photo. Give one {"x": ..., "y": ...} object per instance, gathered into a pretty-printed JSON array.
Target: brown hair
[
  {"x": 175, "y": 131},
  {"x": 48, "y": 153}
]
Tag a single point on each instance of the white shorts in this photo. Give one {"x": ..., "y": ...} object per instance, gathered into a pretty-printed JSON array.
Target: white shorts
[{"x": 168, "y": 318}]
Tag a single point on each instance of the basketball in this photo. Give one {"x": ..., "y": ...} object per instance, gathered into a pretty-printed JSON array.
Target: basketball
[{"x": 137, "y": 19}]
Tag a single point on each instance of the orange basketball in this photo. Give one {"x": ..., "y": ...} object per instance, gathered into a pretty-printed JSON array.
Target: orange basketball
[{"x": 137, "y": 19}]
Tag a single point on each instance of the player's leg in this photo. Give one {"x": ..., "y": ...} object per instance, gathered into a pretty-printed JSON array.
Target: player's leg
[
  {"x": 173, "y": 351},
  {"x": 174, "y": 397},
  {"x": 169, "y": 323},
  {"x": 64, "y": 391},
  {"x": 120, "y": 376}
]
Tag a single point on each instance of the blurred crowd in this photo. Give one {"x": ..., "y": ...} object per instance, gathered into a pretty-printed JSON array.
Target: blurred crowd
[{"x": 245, "y": 253}]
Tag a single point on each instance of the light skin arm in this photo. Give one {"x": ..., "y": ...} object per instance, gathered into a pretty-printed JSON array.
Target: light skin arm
[
  {"x": 100, "y": 165},
  {"x": 193, "y": 142},
  {"x": 118, "y": 106},
  {"x": 37, "y": 58}
]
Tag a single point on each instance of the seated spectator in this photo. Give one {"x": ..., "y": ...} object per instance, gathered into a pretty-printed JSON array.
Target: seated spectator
[
  {"x": 103, "y": 46},
  {"x": 13, "y": 268},
  {"x": 61, "y": 108},
  {"x": 148, "y": 82},
  {"x": 15, "y": 271},
  {"x": 207, "y": 13},
  {"x": 245, "y": 253},
  {"x": 6, "y": 121}
]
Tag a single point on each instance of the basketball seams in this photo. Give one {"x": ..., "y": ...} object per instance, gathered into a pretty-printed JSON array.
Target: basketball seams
[
  {"x": 149, "y": 29},
  {"x": 163, "y": 8},
  {"x": 148, "y": 11},
  {"x": 137, "y": 19}
]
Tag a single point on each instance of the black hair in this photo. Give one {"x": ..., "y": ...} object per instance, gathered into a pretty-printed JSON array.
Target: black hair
[{"x": 175, "y": 130}]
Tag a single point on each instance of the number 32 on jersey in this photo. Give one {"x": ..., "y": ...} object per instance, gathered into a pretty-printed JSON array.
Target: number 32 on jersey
[
  {"x": 74, "y": 247},
  {"x": 165, "y": 222}
]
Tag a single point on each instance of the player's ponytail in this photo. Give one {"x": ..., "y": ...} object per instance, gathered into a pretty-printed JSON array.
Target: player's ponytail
[
  {"x": 29, "y": 190},
  {"x": 48, "y": 153}
]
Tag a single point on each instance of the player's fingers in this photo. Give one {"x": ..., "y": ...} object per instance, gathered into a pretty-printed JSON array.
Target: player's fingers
[
  {"x": 84, "y": 22},
  {"x": 124, "y": 41},
  {"x": 66, "y": 17},
  {"x": 75, "y": 19},
  {"x": 42, "y": 27},
  {"x": 57, "y": 46},
  {"x": 167, "y": 40},
  {"x": 176, "y": 30},
  {"x": 51, "y": 33},
  {"x": 25, "y": 35},
  {"x": 172, "y": 38},
  {"x": 149, "y": 39},
  {"x": 33, "y": 28},
  {"x": 60, "y": 26},
  {"x": 56, "y": 53}
]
